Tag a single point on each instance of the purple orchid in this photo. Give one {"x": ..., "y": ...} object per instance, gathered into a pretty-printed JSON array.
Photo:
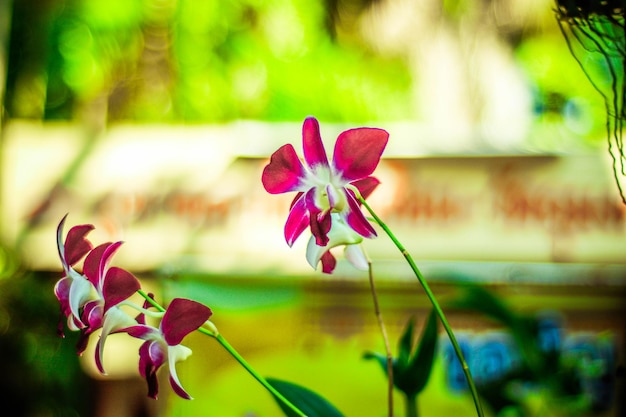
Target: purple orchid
[
  {"x": 162, "y": 345},
  {"x": 90, "y": 300},
  {"x": 322, "y": 187},
  {"x": 113, "y": 285},
  {"x": 73, "y": 290}
]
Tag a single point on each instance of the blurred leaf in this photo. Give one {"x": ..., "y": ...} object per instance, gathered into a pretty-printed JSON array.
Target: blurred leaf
[
  {"x": 310, "y": 403},
  {"x": 380, "y": 358},
  {"x": 412, "y": 367},
  {"x": 406, "y": 343},
  {"x": 478, "y": 299},
  {"x": 421, "y": 364},
  {"x": 524, "y": 329},
  {"x": 410, "y": 376}
]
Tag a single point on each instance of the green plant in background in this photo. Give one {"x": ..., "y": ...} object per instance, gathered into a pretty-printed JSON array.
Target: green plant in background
[
  {"x": 596, "y": 36},
  {"x": 564, "y": 380},
  {"x": 155, "y": 61},
  {"x": 412, "y": 366},
  {"x": 41, "y": 375}
]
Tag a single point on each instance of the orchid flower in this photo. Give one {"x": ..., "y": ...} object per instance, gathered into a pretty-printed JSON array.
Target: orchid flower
[
  {"x": 73, "y": 290},
  {"x": 322, "y": 187},
  {"x": 113, "y": 285},
  {"x": 162, "y": 345}
]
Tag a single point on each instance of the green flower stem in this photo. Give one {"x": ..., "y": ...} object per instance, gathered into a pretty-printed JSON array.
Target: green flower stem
[
  {"x": 215, "y": 334},
  {"x": 151, "y": 300},
  {"x": 434, "y": 302},
  {"x": 411, "y": 406},
  {"x": 255, "y": 374},
  {"x": 383, "y": 331}
]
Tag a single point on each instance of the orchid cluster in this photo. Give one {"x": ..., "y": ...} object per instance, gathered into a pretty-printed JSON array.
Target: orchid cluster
[
  {"x": 330, "y": 196},
  {"x": 92, "y": 301}
]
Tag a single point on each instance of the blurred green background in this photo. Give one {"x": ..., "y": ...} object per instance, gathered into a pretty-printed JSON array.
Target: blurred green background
[{"x": 496, "y": 76}]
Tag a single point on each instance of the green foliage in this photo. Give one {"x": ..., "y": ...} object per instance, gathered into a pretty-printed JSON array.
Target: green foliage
[
  {"x": 553, "y": 373},
  {"x": 412, "y": 366},
  {"x": 195, "y": 61},
  {"x": 40, "y": 371},
  {"x": 309, "y": 402}
]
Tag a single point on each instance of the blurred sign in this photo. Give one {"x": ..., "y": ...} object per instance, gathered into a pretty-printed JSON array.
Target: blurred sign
[{"x": 192, "y": 198}]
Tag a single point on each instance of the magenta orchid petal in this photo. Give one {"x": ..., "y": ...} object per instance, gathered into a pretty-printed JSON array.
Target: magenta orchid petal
[
  {"x": 151, "y": 358},
  {"x": 73, "y": 290},
  {"x": 314, "y": 152},
  {"x": 358, "y": 151},
  {"x": 297, "y": 221},
  {"x": 356, "y": 219},
  {"x": 62, "y": 292},
  {"x": 76, "y": 245},
  {"x": 319, "y": 221},
  {"x": 320, "y": 225},
  {"x": 284, "y": 173},
  {"x": 91, "y": 266},
  {"x": 118, "y": 285},
  {"x": 328, "y": 262},
  {"x": 142, "y": 331},
  {"x": 366, "y": 186},
  {"x": 157, "y": 352},
  {"x": 97, "y": 265},
  {"x": 182, "y": 317},
  {"x": 93, "y": 314}
]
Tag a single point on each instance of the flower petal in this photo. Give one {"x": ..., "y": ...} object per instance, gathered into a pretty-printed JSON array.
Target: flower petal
[
  {"x": 80, "y": 291},
  {"x": 356, "y": 220},
  {"x": 320, "y": 221},
  {"x": 284, "y": 172},
  {"x": 316, "y": 253},
  {"x": 328, "y": 262},
  {"x": 114, "y": 320},
  {"x": 151, "y": 358},
  {"x": 366, "y": 186},
  {"x": 182, "y": 317},
  {"x": 62, "y": 292},
  {"x": 297, "y": 221},
  {"x": 355, "y": 255},
  {"x": 142, "y": 331},
  {"x": 76, "y": 245},
  {"x": 118, "y": 285},
  {"x": 91, "y": 266},
  {"x": 176, "y": 354},
  {"x": 358, "y": 151},
  {"x": 314, "y": 152}
]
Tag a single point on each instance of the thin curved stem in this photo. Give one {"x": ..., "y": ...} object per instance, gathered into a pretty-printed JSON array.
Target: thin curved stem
[
  {"x": 254, "y": 373},
  {"x": 434, "y": 302},
  {"x": 383, "y": 330},
  {"x": 411, "y": 406}
]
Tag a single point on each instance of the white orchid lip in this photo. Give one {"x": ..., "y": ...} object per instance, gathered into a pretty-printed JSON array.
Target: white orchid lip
[{"x": 340, "y": 234}]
